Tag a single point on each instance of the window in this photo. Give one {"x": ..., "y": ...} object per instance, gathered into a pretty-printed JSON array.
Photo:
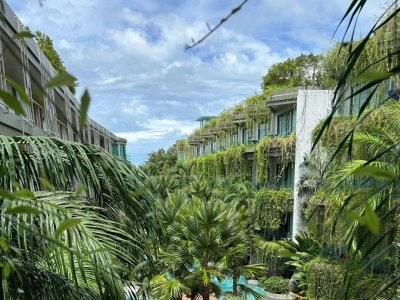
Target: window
[
  {"x": 245, "y": 136},
  {"x": 263, "y": 130},
  {"x": 14, "y": 93},
  {"x": 222, "y": 144},
  {"x": 197, "y": 151},
  {"x": 213, "y": 146},
  {"x": 114, "y": 149},
  {"x": 285, "y": 175},
  {"x": 181, "y": 156},
  {"x": 287, "y": 122},
  {"x": 234, "y": 139},
  {"x": 358, "y": 101},
  {"x": 123, "y": 151},
  {"x": 204, "y": 149}
]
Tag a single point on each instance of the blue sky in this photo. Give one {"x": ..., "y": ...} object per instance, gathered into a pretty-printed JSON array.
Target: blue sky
[{"x": 145, "y": 87}]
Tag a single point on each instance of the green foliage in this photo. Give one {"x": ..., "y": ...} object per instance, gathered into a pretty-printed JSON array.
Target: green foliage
[
  {"x": 230, "y": 162},
  {"x": 51, "y": 242},
  {"x": 272, "y": 206},
  {"x": 46, "y": 45},
  {"x": 231, "y": 297},
  {"x": 203, "y": 239},
  {"x": 331, "y": 280},
  {"x": 256, "y": 109},
  {"x": 284, "y": 145},
  {"x": 336, "y": 131},
  {"x": 161, "y": 161},
  {"x": 268, "y": 253},
  {"x": 275, "y": 285},
  {"x": 304, "y": 70},
  {"x": 326, "y": 281}
]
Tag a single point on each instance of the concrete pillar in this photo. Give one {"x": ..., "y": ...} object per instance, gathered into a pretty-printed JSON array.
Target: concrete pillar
[{"x": 312, "y": 106}]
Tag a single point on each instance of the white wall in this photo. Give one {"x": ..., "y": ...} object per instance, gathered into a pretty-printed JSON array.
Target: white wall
[{"x": 312, "y": 106}]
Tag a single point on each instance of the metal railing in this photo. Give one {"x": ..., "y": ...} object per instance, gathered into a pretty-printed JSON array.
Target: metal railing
[
  {"x": 62, "y": 130},
  {"x": 37, "y": 114}
]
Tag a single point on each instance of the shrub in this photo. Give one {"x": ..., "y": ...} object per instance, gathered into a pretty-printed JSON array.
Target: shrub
[
  {"x": 231, "y": 297},
  {"x": 275, "y": 284}
]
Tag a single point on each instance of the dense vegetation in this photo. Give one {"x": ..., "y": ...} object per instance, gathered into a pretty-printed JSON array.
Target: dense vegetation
[{"x": 166, "y": 228}]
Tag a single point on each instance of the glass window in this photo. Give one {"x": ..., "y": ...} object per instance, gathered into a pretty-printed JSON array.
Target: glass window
[
  {"x": 213, "y": 146},
  {"x": 287, "y": 122},
  {"x": 285, "y": 175},
  {"x": 263, "y": 130},
  {"x": 245, "y": 136},
  {"x": 204, "y": 149},
  {"x": 123, "y": 151},
  {"x": 234, "y": 139},
  {"x": 181, "y": 156}
]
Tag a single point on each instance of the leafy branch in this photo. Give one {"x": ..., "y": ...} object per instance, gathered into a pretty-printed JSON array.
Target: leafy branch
[{"x": 211, "y": 30}]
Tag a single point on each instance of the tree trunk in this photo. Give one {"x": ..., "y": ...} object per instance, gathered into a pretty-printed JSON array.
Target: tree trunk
[
  {"x": 234, "y": 284},
  {"x": 206, "y": 292}
]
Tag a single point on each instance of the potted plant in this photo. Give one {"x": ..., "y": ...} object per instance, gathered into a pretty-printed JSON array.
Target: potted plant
[{"x": 276, "y": 287}]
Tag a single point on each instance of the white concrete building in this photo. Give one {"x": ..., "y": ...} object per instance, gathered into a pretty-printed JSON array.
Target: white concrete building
[{"x": 296, "y": 109}]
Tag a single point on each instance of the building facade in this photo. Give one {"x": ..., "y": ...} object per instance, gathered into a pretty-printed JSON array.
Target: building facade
[
  {"x": 286, "y": 132},
  {"x": 52, "y": 112}
]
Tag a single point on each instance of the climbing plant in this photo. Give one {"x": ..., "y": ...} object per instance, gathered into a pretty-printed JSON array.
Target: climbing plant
[
  {"x": 223, "y": 163},
  {"x": 268, "y": 253},
  {"x": 272, "y": 207},
  {"x": 329, "y": 280},
  {"x": 256, "y": 110},
  {"x": 285, "y": 144}
]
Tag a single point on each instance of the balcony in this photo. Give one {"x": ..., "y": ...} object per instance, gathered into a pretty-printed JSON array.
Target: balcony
[
  {"x": 239, "y": 117},
  {"x": 249, "y": 153},
  {"x": 192, "y": 141},
  {"x": 62, "y": 130},
  {"x": 227, "y": 125},
  {"x": 287, "y": 96},
  {"x": 37, "y": 114},
  {"x": 277, "y": 148},
  {"x": 206, "y": 134}
]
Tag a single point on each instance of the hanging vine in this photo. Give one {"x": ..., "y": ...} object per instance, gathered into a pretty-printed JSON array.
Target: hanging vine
[
  {"x": 285, "y": 146},
  {"x": 268, "y": 253},
  {"x": 272, "y": 206}
]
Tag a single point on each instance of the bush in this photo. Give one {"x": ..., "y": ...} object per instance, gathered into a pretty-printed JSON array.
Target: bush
[
  {"x": 230, "y": 297},
  {"x": 332, "y": 280},
  {"x": 275, "y": 285}
]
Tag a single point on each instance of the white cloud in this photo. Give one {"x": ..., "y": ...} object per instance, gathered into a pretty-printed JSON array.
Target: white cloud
[
  {"x": 145, "y": 87},
  {"x": 135, "y": 136}
]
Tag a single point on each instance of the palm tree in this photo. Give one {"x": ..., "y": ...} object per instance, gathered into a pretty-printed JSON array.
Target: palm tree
[
  {"x": 65, "y": 245},
  {"x": 374, "y": 139},
  {"x": 204, "y": 241}
]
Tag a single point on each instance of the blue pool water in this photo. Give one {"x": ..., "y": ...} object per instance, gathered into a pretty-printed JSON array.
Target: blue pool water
[{"x": 226, "y": 286}]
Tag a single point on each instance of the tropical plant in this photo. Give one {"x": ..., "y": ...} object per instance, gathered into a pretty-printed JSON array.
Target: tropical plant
[
  {"x": 300, "y": 71},
  {"x": 275, "y": 285},
  {"x": 66, "y": 245},
  {"x": 365, "y": 78},
  {"x": 204, "y": 242},
  {"x": 46, "y": 45}
]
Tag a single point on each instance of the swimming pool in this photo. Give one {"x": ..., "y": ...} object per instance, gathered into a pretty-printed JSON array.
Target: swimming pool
[{"x": 226, "y": 286}]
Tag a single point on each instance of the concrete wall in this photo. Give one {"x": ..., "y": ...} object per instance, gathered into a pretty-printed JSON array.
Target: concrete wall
[
  {"x": 312, "y": 106},
  {"x": 28, "y": 65}
]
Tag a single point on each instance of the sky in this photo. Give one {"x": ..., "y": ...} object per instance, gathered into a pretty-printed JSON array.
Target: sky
[{"x": 145, "y": 87}]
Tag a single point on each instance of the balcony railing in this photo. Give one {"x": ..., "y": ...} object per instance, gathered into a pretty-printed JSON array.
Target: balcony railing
[
  {"x": 62, "y": 129},
  {"x": 38, "y": 114}
]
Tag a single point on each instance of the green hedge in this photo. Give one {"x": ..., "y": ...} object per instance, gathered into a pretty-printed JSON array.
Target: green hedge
[
  {"x": 275, "y": 284},
  {"x": 332, "y": 281}
]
